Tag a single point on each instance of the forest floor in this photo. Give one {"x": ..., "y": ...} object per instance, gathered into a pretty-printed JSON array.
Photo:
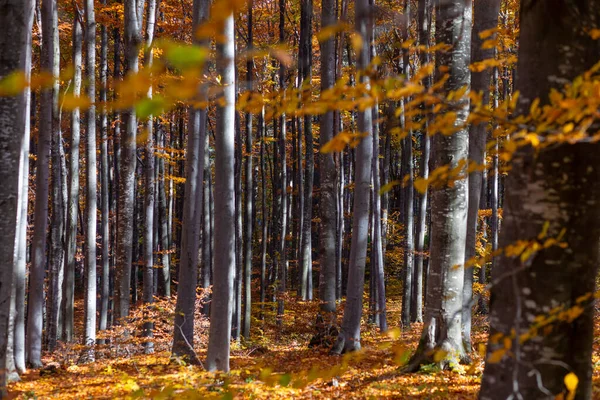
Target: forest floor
[{"x": 277, "y": 364}]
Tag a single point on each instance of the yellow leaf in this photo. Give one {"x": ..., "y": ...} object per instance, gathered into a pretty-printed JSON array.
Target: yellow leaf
[
  {"x": 357, "y": 41},
  {"x": 394, "y": 333},
  {"x": 496, "y": 356},
  {"x": 439, "y": 355},
  {"x": 421, "y": 185},
  {"x": 571, "y": 382}
]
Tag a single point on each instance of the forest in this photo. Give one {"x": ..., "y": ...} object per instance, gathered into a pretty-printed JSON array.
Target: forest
[{"x": 299, "y": 199}]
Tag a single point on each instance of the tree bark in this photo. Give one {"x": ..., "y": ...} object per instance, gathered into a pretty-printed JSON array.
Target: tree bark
[
  {"x": 221, "y": 307},
  {"x": 16, "y": 18},
  {"x": 91, "y": 203},
  {"x": 553, "y": 189},
  {"x": 442, "y": 329},
  {"x": 485, "y": 16},
  {"x": 49, "y": 108},
  {"x": 133, "y": 39},
  {"x": 349, "y": 337}
]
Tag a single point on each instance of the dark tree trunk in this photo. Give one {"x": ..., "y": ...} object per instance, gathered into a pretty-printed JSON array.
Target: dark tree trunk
[
  {"x": 16, "y": 18},
  {"x": 549, "y": 190}
]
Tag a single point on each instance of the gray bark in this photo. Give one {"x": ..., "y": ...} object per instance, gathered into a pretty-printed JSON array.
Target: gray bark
[
  {"x": 49, "y": 108},
  {"x": 328, "y": 191},
  {"x": 183, "y": 338},
  {"x": 442, "y": 329},
  {"x": 222, "y": 301},
  {"x": 104, "y": 183},
  {"x": 349, "y": 337},
  {"x": 249, "y": 192},
  {"x": 485, "y": 16},
  {"x": 91, "y": 203},
  {"x": 305, "y": 75},
  {"x": 20, "y": 262},
  {"x": 559, "y": 186},
  {"x": 16, "y": 17},
  {"x": 424, "y": 18},
  {"x": 133, "y": 39},
  {"x": 149, "y": 192},
  {"x": 73, "y": 200}
]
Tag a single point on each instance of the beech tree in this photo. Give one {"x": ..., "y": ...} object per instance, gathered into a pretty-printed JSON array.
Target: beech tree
[
  {"x": 545, "y": 193},
  {"x": 222, "y": 299}
]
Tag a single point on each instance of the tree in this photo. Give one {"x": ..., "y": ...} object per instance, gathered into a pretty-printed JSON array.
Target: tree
[
  {"x": 91, "y": 179},
  {"x": 349, "y": 337},
  {"x": 222, "y": 299},
  {"x": 442, "y": 329},
  {"x": 549, "y": 190},
  {"x": 183, "y": 337},
  {"x": 328, "y": 189},
  {"x": 68, "y": 300},
  {"x": 133, "y": 39},
  {"x": 48, "y": 128},
  {"x": 16, "y": 17},
  {"x": 485, "y": 15}
]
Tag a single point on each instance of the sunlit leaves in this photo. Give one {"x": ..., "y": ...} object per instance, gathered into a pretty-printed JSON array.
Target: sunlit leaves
[
  {"x": 341, "y": 140},
  {"x": 13, "y": 84}
]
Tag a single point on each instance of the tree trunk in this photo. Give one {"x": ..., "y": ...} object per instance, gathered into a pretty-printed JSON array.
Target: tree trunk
[
  {"x": 133, "y": 39},
  {"x": 15, "y": 45},
  {"x": 49, "y": 108},
  {"x": 91, "y": 180},
  {"x": 183, "y": 337},
  {"x": 221, "y": 307},
  {"x": 149, "y": 193},
  {"x": 349, "y": 338},
  {"x": 328, "y": 191},
  {"x": 68, "y": 301},
  {"x": 442, "y": 330},
  {"x": 249, "y": 192},
  {"x": 424, "y": 17},
  {"x": 104, "y": 182},
  {"x": 551, "y": 190},
  {"x": 485, "y": 17}
]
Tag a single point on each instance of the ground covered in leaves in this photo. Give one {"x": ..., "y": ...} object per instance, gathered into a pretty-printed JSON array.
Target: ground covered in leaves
[{"x": 276, "y": 363}]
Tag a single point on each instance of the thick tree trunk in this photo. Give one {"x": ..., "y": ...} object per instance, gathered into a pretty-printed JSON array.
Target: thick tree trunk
[
  {"x": 349, "y": 338},
  {"x": 91, "y": 203},
  {"x": 556, "y": 191},
  {"x": 221, "y": 307},
  {"x": 49, "y": 108},
  {"x": 16, "y": 18},
  {"x": 485, "y": 17},
  {"x": 328, "y": 191},
  {"x": 442, "y": 330}
]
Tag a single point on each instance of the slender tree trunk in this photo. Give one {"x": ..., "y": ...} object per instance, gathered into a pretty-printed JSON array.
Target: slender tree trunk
[
  {"x": 16, "y": 18},
  {"x": 556, "y": 191},
  {"x": 442, "y": 329},
  {"x": 104, "y": 182},
  {"x": 149, "y": 193},
  {"x": 349, "y": 338},
  {"x": 73, "y": 201},
  {"x": 424, "y": 16},
  {"x": 49, "y": 105},
  {"x": 409, "y": 294},
  {"x": 164, "y": 282},
  {"x": 265, "y": 224},
  {"x": 91, "y": 179},
  {"x": 249, "y": 192},
  {"x": 221, "y": 307},
  {"x": 236, "y": 321},
  {"x": 133, "y": 39},
  {"x": 20, "y": 263},
  {"x": 485, "y": 16}
]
